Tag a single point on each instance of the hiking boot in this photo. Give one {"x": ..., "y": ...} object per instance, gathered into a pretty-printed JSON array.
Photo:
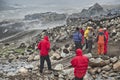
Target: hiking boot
[{"x": 51, "y": 69}]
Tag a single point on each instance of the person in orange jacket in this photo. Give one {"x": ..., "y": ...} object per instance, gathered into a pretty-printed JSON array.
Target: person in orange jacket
[
  {"x": 106, "y": 42},
  {"x": 101, "y": 40}
]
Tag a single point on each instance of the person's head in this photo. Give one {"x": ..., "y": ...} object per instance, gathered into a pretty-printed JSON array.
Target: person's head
[
  {"x": 104, "y": 29},
  {"x": 77, "y": 29},
  {"x": 79, "y": 52},
  {"x": 46, "y": 38},
  {"x": 100, "y": 30},
  {"x": 80, "y": 28}
]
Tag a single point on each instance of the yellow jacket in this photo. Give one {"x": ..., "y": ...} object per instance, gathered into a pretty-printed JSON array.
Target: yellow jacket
[{"x": 86, "y": 33}]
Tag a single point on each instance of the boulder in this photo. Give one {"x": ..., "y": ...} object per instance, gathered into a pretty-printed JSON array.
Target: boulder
[
  {"x": 106, "y": 68},
  {"x": 37, "y": 57},
  {"x": 12, "y": 56},
  {"x": 30, "y": 58},
  {"x": 23, "y": 70},
  {"x": 98, "y": 62},
  {"x": 59, "y": 67},
  {"x": 114, "y": 59},
  {"x": 116, "y": 66},
  {"x": 89, "y": 55},
  {"x": 22, "y": 45},
  {"x": 55, "y": 56}
]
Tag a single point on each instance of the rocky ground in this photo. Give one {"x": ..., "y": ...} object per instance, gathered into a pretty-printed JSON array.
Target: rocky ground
[{"x": 20, "y": 60}]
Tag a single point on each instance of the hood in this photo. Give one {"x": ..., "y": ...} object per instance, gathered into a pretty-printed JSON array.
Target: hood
[
  {"x": 46, "y": 38},
  {"x": 78, "y": 52}
]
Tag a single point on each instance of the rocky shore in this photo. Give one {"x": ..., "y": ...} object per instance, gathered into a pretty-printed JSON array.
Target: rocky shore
[
  {"x": 20, "y": 60},
  {"x": 19, "y": 57}
]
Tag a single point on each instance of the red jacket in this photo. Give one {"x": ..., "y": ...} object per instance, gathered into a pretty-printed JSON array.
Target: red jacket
[
  {"x": 82, "y": 32},
  {"x": 106, "y": 35},
  {"x": 80, "y": 64},
  {"x": 44, "y": 46}
]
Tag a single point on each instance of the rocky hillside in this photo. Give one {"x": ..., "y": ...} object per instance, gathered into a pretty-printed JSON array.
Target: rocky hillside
[
  {"x": 95, "y": 13},
  {"x": 22, "y": 61},
  {"x": 31, "y": 22},
  {"x": 46, "y": 17}
]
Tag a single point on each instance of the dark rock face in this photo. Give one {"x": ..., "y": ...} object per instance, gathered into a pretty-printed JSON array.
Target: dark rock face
[
  {"x": 94, "y": 11},
  {"x": 46, "y": 17},
  {"x": 8, "y": 28}
]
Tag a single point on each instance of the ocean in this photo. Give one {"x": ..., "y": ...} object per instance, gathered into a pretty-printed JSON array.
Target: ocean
[{"x": 17, "y": 9}]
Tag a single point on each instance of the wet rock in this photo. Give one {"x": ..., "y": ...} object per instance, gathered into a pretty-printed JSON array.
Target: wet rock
[
  {"x": 88, "y": 77},
  {"x": 30, "y": 58},
  {"x": 65, "y": 51},
  {"x": 116, "y": 66},
  {"x": 112, "y": 74},
  {"x": 22, "y": 45},
  {"x": 93, "y": 71},
  {"x": 32, "y": 46},
  {"x": 114, "y": 59},
  {"x": 6, "y": 44},
  {"x": 106, "y": 68},
  {"x": 89, "y": 55},
  {"x": 98, "y": 62},
  {"x": 37, "y": 57},
  {"x": 59, "y": 67},
  {"x": 55, "y": 56},
  {"x": 107, "y": 62},
  {"x": 12, "y": 56},
  {"x": 23, "y": 70}
]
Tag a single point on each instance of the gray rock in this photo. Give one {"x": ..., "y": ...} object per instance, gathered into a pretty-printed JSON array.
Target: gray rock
[
  {"x": 59, "y": 67},
  {"x": 116, "y": 66},
  {"x": 89, "y": 55},
  {"x": 23, "y": 70},
  {"x": 114, "y": 59},
  {"x": 30, "y": 58},
  {"x": 106, "y": 68},
  {"x": 98, "y": 62},
  {"x": 112, "y": 74},
  {"x": 37, "y": 57}
]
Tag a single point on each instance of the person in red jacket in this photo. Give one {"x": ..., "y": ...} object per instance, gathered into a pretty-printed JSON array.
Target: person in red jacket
[
  {"x": 106, "y": 42},
  {"x": 80, "y": 64},
  {"x": 82, "y": 32},
  {"x": 44, "y": 47}
]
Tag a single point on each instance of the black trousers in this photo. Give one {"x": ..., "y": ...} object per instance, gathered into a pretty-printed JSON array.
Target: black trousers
[
  {"x": 76, "y": 78},
  {"x": 86, "y": 43},
  {"x": 78, "y": 45},
  {"x": 90, "y": 42},
  {"x": 42, "y": 60}
]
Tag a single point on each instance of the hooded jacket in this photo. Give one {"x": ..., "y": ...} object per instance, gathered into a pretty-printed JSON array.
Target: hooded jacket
[
  {"x": 106, "y": 35},
  {"x": 44, "y": 46},
  {"x": 86, "y": 33},
  {"x": 80, "y": 64}
]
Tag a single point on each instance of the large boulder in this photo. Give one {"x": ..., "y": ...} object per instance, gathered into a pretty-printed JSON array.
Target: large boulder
[
  {"x": 116, "y": 66},
  {"x": 23, "y": 70},
  {"x": 59, "y": 67},
  {"x": 98, "y": 62}
]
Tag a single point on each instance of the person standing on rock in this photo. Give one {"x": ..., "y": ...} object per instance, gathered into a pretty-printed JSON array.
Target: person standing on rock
[
  {"x": 44, "y": 47},
  {"x": 106, "y": 42},
  {"x": 82, "y": 32},
  {"x": 90, "y": 39},
  {"x": 100, "y": 41},
  {"x": 80, "y": 64},
  {"x": 86, "y": 36},
  {"x": 77, "y": 37}
]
